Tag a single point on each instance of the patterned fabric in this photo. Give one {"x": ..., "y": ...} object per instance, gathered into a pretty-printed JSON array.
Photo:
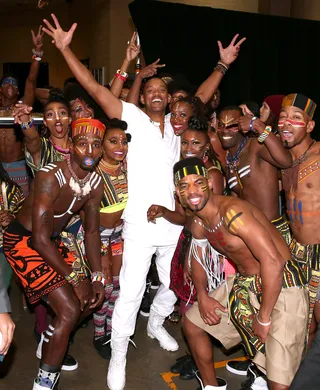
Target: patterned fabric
[
  {"x": 115, "y": 190},
  {"x": 48, "y": 154},
  {"x": 308, "y": 260},
  {"x": 100, "y": 316},
  {"x": 11, "y": 199},
  {"x": 18, "y": 173},
  {"x": 37, "y": 277},
  {"x": 87, "y": 125},
  {"x": 242, "y": 309},
  {"x": 283, "y": 228},
  {"x": 177, "y": 284},
  {"x": 303, "y": 102}
]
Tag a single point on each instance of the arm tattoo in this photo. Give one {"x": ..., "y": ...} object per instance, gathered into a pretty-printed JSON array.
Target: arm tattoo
[
  {"x": 233, "y": 220},
  {"x": 45, "y": 218}
]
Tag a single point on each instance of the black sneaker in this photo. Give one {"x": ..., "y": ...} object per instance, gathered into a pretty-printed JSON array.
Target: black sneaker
[
  {"x": 238, "y": 367},
  {"x": 256, "y": 379},
  {"x": 177, "y": 367},
  {"x": 188, "y": 370},
  {"x": 146, "y": 302},
  {"x": 69, "y": 363},
  {"x": 103, "y": 346}
]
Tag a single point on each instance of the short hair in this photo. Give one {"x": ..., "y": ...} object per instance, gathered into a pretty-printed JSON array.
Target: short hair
[
  {"x": 231, "y": 108},
  {"x": 180, "y": 83},
  {"x": 116, "y": 123}
]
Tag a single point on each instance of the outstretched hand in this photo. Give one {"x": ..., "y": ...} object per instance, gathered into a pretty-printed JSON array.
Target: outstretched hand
[
  {"x": 154, "y": 212},
  {"x": 230, "y": 53},
  {"x": 151, "y": 70},
  {"x": 37, "y": 39},
  {"x": 133, "y": 50},
  {"x": 61, "y": 39},
  {"x": 21, "y": 113}
]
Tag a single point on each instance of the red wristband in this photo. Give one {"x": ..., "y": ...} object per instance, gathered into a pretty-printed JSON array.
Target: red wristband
[{"x": 120, "y": 77}]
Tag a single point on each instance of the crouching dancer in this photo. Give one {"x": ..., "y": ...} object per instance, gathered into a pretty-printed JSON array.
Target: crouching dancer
[
  {"x": 34, "y": 250},
  {"x": 266, "y": 300}
]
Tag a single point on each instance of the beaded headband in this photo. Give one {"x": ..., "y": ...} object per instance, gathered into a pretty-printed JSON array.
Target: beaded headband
[
  {"x": 9, "y": 80},
  {"x": 190, "y": 170},
  {"x": 88, "y": 126},
  {"x": 300, "y": 101}
]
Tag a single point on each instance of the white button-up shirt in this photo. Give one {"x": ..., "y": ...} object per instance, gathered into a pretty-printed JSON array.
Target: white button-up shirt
[{"x": 150, "y": 162}]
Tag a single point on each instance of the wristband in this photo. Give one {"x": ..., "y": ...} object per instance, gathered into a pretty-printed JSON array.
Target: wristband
[
  {"x": 118, "y": 76},
  {"x": 98, "y": 277},
  {"x": 262, "y": 323},
  {"x": 122, "y": 75},
  {"x": 251, "y": 123},
  {"x": 37, "y": 53},
  {"x": 72, "y": 278},
  {"x": 27, "y": 125},
  {"x": 265, "y": 134},
  {"x": 36, "y": 58}
]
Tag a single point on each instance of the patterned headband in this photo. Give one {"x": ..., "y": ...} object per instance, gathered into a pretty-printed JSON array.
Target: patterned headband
[
  {"x": 300, "y": 101},
  {"x": 88, "y": 126},
  {"x": 9, "y": 80},
  {"x": 190, "y": 170}
]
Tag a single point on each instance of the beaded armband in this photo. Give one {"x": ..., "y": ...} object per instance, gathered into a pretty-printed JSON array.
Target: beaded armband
[
  {"x": 73, "y": 279},
  {"x": 263, "y": 136},
  {"x": 98, "y": 277},
  {"x": 27, "y": 125}
]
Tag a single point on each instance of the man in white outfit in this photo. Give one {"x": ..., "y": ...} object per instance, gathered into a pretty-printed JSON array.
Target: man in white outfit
[{"x": 154, "y": 149}]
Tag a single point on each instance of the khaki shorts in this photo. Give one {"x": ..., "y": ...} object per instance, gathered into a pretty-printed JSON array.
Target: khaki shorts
[{"x": 286, "y": 340}]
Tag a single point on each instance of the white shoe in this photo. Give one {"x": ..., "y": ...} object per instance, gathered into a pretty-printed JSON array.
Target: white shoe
[
  {"x": 222, "y": 384},
  {"x": 69, "y": 363},
  {"x": 155, "y": 330},
  {"x": 116, "y": 378}
]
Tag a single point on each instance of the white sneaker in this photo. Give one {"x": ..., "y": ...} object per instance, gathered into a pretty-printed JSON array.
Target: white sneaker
[
  {"x": 69, "y": 363},
  {"x": 116, "y": 378},
  {"x": 155, "y": 330},
  {"x": 222, "y": 384}
]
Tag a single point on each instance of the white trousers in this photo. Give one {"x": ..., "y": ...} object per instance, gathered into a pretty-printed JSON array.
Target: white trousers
[{"x": 136, "y": 262}]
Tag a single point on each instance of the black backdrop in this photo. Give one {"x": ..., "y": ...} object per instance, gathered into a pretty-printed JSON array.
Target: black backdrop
[{"x": 280, "y": 55}]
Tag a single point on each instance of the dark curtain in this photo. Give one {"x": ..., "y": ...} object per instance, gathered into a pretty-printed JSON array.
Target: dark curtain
[{"x": 278, "y": 57}]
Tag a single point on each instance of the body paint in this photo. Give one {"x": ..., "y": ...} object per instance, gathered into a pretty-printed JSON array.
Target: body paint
[
  {"x": 88, "y": 161},
  {"x": 233, "y": 220}
]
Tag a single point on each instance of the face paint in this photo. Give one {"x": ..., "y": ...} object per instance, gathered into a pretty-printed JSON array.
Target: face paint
[
  {"x": 79, "y": 150},
  {"x": 90, "y": 148},
  {"x": 204, "y": 188},
  {"x": 292, "y": 123},
  {"x": 11, "y": 81},
  {"x": 88, "y": 161}
]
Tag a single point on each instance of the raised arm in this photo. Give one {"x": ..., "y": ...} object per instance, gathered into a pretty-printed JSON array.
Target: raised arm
[
  {"x": 22, "y": 117},
  {"x": 227, "y": 56},
  {"x": 111, "y": 105},
  {"x": 147, "y": 71},
  {"x": 131, "y": 53},
  {"x": 258, "y": 238},
  {"x": 271, "y": 149},
  {"x": 31, "y": 82}
]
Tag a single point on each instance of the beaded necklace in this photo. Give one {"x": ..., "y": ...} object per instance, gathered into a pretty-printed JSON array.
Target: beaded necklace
[
  {"x": 233, "y": 161},
  {"x": 80, "y": 187},
  {"x": 214, "y": 229}
]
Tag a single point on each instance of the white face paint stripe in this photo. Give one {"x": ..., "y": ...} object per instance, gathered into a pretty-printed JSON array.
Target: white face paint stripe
[{"x": 90, "y": 148}]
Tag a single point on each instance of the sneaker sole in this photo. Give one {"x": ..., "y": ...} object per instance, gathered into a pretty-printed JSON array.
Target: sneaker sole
[
  {"x": 161, "y": 345},
  {"x": 236, "y": 372},
  {"x": 63, "y": 368},
  {"x": 144, "y": 314},
  {"x": 154, "y": 287}
]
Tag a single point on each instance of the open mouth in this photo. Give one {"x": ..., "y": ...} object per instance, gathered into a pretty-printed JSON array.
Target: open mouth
[
  {"x": 59, "y": 127},
  {"x": 195, "y": 201},
  {"x": 286, "y": 134},
  {"x": 156, "y": 100}
]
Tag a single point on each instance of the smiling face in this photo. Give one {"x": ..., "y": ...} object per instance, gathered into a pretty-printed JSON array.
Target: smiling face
[
  {"x": 180, "y": 115},
  {"x": 194, "y": 191},
  {"x": 115, "y": 146},
  {"x": 194, "y": 144},
  {"x": 87, "y": 150},
  {"x": 80, "y": 109},
  {"x": 57, "y": 120},
  {"x": 155, "y": 95},
  {"x": 228, "y": 128},
  {"x": 294, "y": 126}
]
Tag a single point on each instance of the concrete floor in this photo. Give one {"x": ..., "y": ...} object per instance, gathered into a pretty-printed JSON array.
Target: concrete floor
[{"x": 144, "y": 368}]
